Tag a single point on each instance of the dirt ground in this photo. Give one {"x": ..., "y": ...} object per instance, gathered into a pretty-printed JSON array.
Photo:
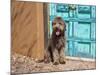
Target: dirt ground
[{"x": 23, "y": 64}]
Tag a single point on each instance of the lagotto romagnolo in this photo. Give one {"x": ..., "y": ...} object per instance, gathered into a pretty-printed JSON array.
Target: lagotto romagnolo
[{"x": 56, "y": 45}]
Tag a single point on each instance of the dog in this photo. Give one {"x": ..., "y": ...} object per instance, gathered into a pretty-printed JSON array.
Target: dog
[{"x": 56, "y": 44}]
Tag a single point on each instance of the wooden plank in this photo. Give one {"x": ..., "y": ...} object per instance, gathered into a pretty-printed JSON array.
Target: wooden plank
[
  {"x": 27, "y": 29},
  {"x": 40, "y": 30}
]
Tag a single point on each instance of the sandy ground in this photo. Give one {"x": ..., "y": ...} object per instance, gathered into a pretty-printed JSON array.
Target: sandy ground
[{"x": 23, "y": 64}]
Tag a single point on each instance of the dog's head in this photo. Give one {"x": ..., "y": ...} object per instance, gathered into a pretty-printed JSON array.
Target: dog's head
[{"x": 59, "y": 26}]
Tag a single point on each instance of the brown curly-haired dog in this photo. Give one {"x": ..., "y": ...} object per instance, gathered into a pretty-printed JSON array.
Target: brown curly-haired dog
[{"x": 56, "y": 44}]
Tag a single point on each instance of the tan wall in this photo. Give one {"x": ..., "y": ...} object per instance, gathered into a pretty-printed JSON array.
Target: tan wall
[{"x": 27, "y": 29}]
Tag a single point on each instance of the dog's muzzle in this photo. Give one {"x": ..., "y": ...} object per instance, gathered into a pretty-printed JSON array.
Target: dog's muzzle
[
  {"x": 58, "y": 28},
  {"x": 57, "y": 31}
]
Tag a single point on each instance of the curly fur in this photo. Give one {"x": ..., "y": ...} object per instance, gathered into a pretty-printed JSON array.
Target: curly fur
[{"x": 55, "y": 50}]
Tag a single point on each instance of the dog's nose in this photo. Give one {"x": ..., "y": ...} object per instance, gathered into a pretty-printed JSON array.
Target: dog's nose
[{"x": 57, "y": 25}]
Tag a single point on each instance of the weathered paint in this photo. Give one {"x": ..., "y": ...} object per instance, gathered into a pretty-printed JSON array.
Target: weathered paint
[{"x": 81, "y": 28}]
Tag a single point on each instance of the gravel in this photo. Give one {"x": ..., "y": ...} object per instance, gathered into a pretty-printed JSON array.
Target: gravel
[{"x": 22, "y": 64}]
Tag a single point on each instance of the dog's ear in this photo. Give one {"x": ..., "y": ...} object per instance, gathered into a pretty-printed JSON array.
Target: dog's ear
[
  {"x": 65, "y": 26},
  {"x": 53, "y": 23}
]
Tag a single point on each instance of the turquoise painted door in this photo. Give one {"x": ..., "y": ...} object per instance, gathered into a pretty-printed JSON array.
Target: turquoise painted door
[{"x": 81, "y": 28}]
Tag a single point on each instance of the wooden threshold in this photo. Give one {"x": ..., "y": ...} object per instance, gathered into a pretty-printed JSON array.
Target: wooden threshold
[{"x": 79, "y": 58}]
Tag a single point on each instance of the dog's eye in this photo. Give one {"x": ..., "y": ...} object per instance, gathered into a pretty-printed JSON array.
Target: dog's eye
[
  {"x": 60, "y": 23},
  {"x": 53, "y": 23}
]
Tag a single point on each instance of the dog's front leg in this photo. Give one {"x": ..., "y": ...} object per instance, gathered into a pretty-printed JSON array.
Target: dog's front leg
[
  {"x": 55, "y": 57},
  {"x": 62, "y": 56}
]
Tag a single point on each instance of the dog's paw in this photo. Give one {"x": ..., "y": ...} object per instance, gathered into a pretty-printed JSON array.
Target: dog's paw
[
  {"x": 55, "y": 63},
  {"x": 46, "y": 61},
  {"x": 62, "y": 62}
]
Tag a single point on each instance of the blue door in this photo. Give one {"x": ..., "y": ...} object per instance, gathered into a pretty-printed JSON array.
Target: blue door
[{"x": 81, "y": 28}]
